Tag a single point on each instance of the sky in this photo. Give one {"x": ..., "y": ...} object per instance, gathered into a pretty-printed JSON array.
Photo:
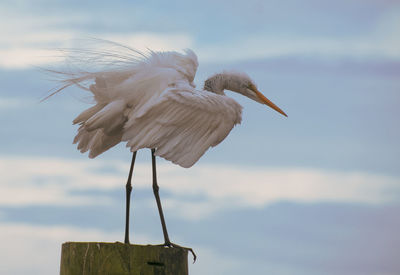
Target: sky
[{"x": 315, "y": 193}]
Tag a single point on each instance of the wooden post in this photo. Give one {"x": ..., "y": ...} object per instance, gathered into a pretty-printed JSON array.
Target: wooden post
[{"x": 92, "y": 258}]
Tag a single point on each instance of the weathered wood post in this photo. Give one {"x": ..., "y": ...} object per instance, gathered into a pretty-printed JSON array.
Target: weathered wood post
[{"x": 92, "y": 258}]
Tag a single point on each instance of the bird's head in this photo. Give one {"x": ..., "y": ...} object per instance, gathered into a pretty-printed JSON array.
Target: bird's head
[{"x": 240, "y": 83}]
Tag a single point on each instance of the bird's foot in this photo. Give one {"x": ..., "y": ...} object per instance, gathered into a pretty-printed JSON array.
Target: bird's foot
[{"x": 169, "y": 244}]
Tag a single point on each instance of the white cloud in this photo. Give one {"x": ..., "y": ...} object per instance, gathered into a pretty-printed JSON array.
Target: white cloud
[
  {"x": 29, "y": 39},
  {"x": 29, "y": 50},
  {"x": 226, "y": 186},
  {"x": 12, "y": 103},
  {"x": 33, "y": 249},
  {"x": 31, "y": 181},
  {"x": 372, "y": 46},
  {"x": 23, "y": 57},
  {"x": 382, "y": 41},
  {"x": 155, "y": 41},
  {"x": 25, "y": 39},
  {"x": 49, "y": 181}
]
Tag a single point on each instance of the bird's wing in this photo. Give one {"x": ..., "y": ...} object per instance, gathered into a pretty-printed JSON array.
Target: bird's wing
[
  {"x": 102, "y": 124},
  {"x": 124, "y": 82},
  {"x": 182, "y": 124}
]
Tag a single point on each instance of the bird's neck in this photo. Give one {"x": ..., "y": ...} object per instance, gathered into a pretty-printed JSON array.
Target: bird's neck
[{"x": 218, "y": 83}]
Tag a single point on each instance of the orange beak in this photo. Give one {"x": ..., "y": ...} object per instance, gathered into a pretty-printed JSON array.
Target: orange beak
[{"x": 266, "y": 101}]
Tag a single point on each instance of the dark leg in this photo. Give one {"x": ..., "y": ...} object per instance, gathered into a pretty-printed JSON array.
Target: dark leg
[
  {"x": 128, "y": 198},
  {"x": 155, "y": 191},
  {"x": 167, "y": 242}
]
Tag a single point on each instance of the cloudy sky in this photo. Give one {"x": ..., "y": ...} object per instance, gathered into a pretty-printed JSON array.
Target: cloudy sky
[{"x": 315, "y": 193}]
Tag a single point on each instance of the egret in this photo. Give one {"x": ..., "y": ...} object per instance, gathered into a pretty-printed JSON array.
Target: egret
[{"x": 149, "y": 101}]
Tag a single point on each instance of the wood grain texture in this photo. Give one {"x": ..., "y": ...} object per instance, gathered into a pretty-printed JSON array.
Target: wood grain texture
[{"x": 90, "y": 258}]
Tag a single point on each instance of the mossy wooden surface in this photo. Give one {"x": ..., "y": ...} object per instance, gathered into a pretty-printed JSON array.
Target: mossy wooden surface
[{"x": 121, "y": 259}]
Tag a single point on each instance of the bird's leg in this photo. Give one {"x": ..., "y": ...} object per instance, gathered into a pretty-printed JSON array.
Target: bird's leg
[
  {"x": 156, "y": 194},
  {"x": 128, "y": 198},
  {"x": 156, "y": 188}
]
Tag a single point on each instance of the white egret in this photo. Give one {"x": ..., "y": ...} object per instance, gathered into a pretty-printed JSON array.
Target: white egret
[{"x": 150, "y": 101}]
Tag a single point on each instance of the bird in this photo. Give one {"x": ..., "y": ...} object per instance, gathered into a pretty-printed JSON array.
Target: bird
[{"x": 149, "y": 100}]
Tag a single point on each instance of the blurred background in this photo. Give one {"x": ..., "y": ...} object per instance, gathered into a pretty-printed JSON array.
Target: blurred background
[{"x": 315, "y": 193}]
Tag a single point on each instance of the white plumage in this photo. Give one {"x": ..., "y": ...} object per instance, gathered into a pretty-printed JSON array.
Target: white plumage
[{"x": 149, "y": 101}]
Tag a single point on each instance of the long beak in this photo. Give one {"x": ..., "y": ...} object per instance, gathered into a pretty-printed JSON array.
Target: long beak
[{"x": 266, "y": 101}]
